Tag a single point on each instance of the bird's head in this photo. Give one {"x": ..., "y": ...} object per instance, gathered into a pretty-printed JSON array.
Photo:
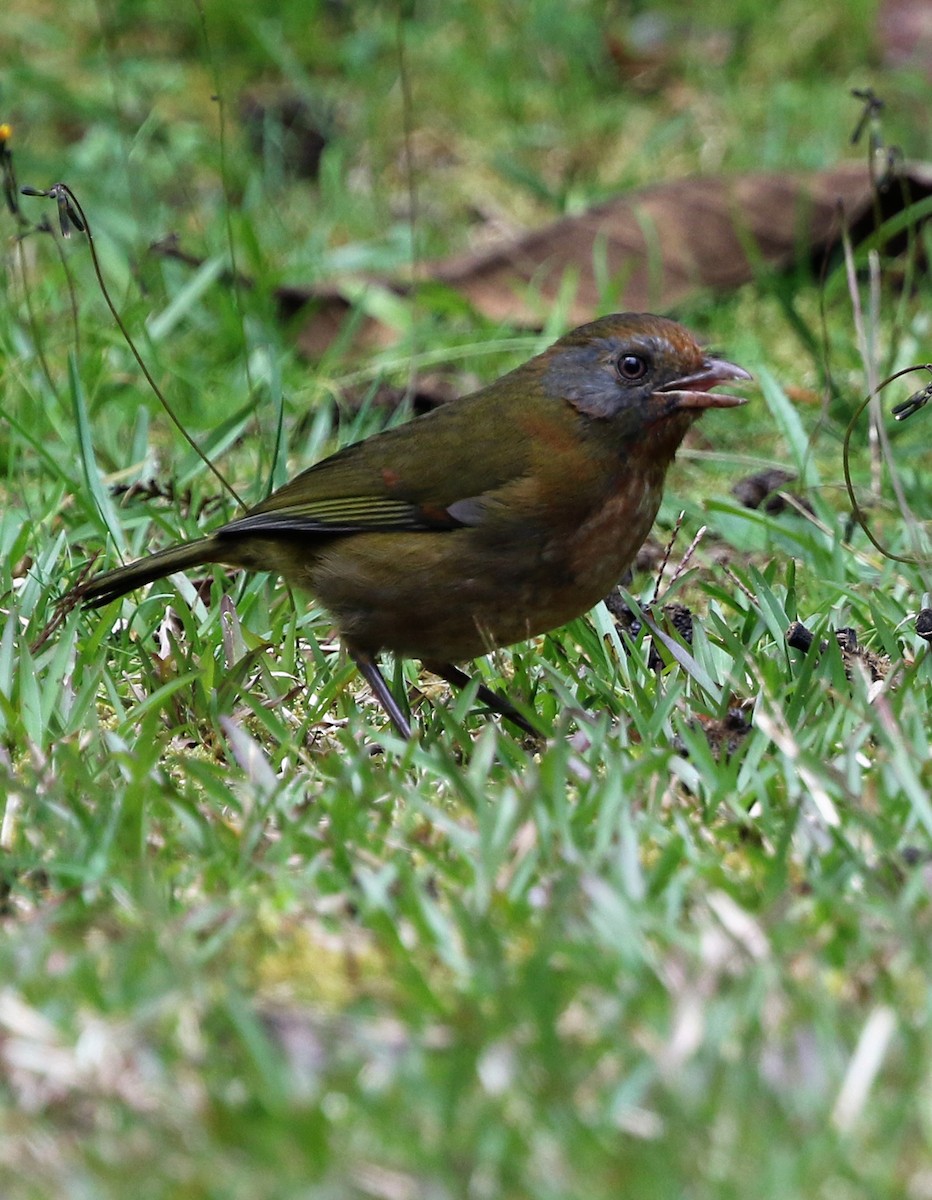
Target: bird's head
[{"x": 636, "y": 369}]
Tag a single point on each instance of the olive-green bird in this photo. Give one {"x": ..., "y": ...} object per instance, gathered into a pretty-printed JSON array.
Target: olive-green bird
[{"x": 490, "y": 520}]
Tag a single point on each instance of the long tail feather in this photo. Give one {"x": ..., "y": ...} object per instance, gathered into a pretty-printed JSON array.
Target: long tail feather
[{"x": 112, "y": 584}]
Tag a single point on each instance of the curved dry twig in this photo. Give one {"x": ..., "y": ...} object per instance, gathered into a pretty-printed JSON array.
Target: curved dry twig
[{"x": 901, "y": 411}]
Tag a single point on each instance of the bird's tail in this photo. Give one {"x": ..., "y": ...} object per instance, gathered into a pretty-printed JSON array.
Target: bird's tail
[{"x": 112, "y": 584}]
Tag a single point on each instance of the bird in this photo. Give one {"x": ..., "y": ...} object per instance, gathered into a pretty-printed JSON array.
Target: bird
[{"x": 488, "y": 521}]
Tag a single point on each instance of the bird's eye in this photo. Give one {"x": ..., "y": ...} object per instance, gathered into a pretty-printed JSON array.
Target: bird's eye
[{"x": 631, "y": 366}]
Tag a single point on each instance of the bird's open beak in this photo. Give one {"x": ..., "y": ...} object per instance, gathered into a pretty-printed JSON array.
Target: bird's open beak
[{"x": 694, "y": 391}]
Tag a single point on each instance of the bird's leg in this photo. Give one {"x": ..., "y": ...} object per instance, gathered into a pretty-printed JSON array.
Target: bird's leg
[
  {"x": 458, "y": 678},
  {"x": 369, "y": 670}
]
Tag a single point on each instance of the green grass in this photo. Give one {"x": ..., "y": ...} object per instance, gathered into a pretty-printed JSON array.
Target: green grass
[{"x": 254, "y": 946}]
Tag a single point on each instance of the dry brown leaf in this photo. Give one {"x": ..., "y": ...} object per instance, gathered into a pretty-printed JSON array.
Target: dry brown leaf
[
  {"x": 657, "y": 246},
  {"x": 662, "y": 243},
  {"x": 905, "y": 29},
  {"x": 649, "y": 250}
]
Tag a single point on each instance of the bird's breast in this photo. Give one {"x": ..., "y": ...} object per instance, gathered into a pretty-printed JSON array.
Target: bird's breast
[
  {"x": 607, "y": 541},
  {"x": 455, "y": 595}
]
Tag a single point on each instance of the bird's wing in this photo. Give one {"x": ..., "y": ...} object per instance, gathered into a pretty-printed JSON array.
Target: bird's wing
[
  {"x": 343, "y": 514},
  {"x": 417, "y": 476}
]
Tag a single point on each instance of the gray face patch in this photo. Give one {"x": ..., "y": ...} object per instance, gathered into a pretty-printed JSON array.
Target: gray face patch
[{"x": 585, "y": 376}]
